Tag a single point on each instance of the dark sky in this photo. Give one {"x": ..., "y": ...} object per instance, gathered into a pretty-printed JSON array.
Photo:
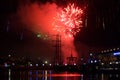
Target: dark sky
[
  {"x": 103, "y": 23},
  {"x": 18, "y": 40},
  {"x": 15, "y": 39}
]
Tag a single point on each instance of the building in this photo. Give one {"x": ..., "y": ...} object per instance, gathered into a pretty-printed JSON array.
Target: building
[{"x": 71, "y": 60}]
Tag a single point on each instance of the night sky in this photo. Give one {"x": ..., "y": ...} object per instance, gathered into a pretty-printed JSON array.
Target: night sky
[{"x": 17, "y": 40}]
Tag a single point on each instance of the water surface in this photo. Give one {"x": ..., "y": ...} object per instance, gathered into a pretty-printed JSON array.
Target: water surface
[{"x": 51, "y": 75}]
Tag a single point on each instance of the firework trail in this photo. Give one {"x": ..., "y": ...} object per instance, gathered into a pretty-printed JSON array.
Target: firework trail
[{"x": 68, "y": 21}]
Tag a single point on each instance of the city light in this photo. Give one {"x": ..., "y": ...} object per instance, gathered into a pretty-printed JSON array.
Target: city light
[
  {"x": 57, "y": 64},
  {"x": 50, "y": 64},
  {"x": 31, "y": 65},
  {"x": 36, "y": 64},
  {"x": 91, "y": 61},
  {"x": 5, "y": 64},
  {"x": 102, "y": 63},
  {"x": 116, "y": 63},
  {"x": 43, "y": 64},
  {"x": 74, "y": 64},
  {"x": 39, "y": 35},
  {"x": 65, "y": 64},
  {"x": 91, "y": 54},
  {"x": 46, "y": 62},
  {"x": 116, "y": 53},
  {"x": 95, "y": 61},
  {"x": 110, "y": 62}
]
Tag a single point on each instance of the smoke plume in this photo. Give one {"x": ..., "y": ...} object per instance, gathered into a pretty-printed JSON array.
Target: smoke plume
[{"x": 39, "y": 18}]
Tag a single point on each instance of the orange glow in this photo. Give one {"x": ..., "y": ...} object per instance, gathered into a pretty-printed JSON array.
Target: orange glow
[{"x": 63, "y": 75}]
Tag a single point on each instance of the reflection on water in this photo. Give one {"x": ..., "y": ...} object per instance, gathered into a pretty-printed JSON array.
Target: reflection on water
[
  {"x": 51, "y": 75},
  {"x": 9, "y": 74}
]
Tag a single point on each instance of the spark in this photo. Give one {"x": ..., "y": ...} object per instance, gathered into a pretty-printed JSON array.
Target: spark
[{"x": 68, "y": 21}]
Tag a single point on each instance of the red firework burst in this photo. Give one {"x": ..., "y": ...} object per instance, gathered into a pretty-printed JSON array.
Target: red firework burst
[{"x": 68, "y": 20}]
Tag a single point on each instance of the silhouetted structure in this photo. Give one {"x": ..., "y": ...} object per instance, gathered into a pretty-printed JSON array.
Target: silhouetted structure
[
  {"x": 57, "y": 55},
  {"x": 71, "y": 60}
]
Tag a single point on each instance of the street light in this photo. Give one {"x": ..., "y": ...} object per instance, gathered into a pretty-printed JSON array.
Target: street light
[{"x": 46, "y": 62}]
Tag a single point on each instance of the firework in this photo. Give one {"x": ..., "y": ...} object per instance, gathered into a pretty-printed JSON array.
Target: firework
[{"x": 68, "y": 20}]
